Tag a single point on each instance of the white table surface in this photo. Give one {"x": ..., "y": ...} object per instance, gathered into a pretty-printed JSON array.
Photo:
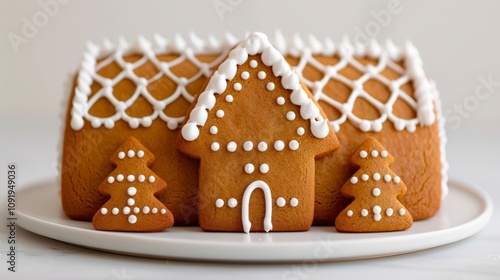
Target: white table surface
[{"x": 458, "y": 41}]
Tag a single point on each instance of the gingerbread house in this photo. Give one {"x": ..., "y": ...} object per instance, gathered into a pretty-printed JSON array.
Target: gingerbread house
[
  {"x": 144, "y": 89},
  {"x": 255, "y": 126}
]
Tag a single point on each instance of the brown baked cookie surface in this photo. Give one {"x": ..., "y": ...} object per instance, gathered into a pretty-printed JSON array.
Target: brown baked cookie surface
[
  {"x": 257, "y": 131},
  {"x": 132, "y": 205},
  {"x": 375, "y": 189}
]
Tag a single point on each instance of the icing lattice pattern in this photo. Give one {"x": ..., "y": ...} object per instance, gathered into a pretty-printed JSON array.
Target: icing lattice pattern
[{"x": 305, "y": 51}]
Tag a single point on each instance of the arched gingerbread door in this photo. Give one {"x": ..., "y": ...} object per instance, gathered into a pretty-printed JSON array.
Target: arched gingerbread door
[{"x": 247, "y": 225}]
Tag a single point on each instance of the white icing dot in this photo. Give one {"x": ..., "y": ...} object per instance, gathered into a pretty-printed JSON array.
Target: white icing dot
[
  {"x": 300, "y": 131},
  {"x": 104, "y": 211},
  {"x": 115, "y": 211},
  {"x": 141, "y": 178},
  {"x": 145, "y": 210},
  {"x": 384, "y": 154},
  {"x": 130, "y": 202},
  {"x": 140, "y": 153},
  {"x": 280, "y": 201},
  {"x": 364, "y": 212},
  {"x": 262, "y": 146},
  {"x": 231, "y": 146},
  {"x": 215, "y": 146},
  {"x": 249, "y": 168},
  {"x": 132, "y": 219},
  {"x": 245, "y": 75},
  {"x": 389, "y": 212},
  {"x": 232, "y": 202},
  {"x": 349, "y": 213},
  {"x": 261, "y": 75},
  {"x": 219, "y": 113},
  {"x": 154, "y": 210},
  {"x": 376, "y": 176},
  {"x": 290, "y": 116},
  {"x": 254, "y": 63},
  {"x": 130, "y": 153},
  {"x": 270, "y": 86},
  {"x": 248, "y": 146},
  {"x": 293, "y": 145},
  {"x": 387, "y": 177},
  {"x": 119, "y": 178},
  {"x": 377, "y": 217},
  {"x": 237, "y": 86},
  {"x": 163, "y": 211},
  {"x": 363, "y": 154},
  {"x": 219, "y": 203},
  {"x": 264, "y": 168},
  {"x": 126, "y": 210},
  {"x": 229, "y": 98},
  {"x": 130, "y": 178},
  {"x": 279, "y": 145},
  {"x": 280, "y": 100},
  {"x": 131, "y": 191},
  {"x": 137, "y": 210},
  {"x": 111, "y": 179},
  {"x": 402, "y": 211},
  {"x": 374, "y": 153},
  {"x": 397, "y": 179},
  {"x": 213, "y": 129},
  {"x": 121, "y": 155},
  {"x": 376, "y": 192},
  {"x": 376, "y": 209},
  {"x": 354, "y": 180},
  {"x": 365, "y": 177},
  {"x": 294, "y": 202},
  {"x": 151, "y": 179}
]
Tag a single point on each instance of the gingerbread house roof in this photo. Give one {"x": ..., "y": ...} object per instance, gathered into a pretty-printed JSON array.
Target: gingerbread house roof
[{"x": 256, "y": 43}]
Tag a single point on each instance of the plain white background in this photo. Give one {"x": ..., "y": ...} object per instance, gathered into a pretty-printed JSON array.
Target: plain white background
[{"x": 458, "y": 41}]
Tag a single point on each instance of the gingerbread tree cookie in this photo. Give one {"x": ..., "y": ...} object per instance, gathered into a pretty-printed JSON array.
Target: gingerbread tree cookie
[
  {"x": 375, "y": 189},
  {"x": 132, "y": 185}
]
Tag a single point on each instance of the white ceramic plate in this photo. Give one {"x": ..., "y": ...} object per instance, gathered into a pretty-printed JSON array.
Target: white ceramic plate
[{"x": 465, "y": 211}]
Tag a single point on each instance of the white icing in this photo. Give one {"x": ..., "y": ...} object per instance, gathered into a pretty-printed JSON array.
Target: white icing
[
  {"x": 154, "y": 210},
  {"x": 294, "y": 202},
  {"x": 376, "y": 176},
  {"x": 270, "y": 86},
  {"x": 279, "y": 145},
  {"x": 376, "y": 209},
  {"x": 254, "y": 63},
  {"x": 264, "y": 168},
  {"x": 354, "y": 180},
  {"x": 389, "y": 212},
  {"x": 130, "y": 153},
  {"x": 132, "y": 219},
  {"x": 402, "y": 211},
  {"x": 280, "y": 201},
  {"x": 349, "y": 213},
  {"x": 141, "y": 178},
  {"x": 215, "y": 146},
  {"x": 249, "y": 168},
  {"x": 300, "y": 131},
  {"x": 387, "y": 177},
  {"x": 365, "y": 177},
  {"x": 130, "y": 178},
  {"x": 237, "y": 86},
  {"x": 364, "y": 212},
  {"x": 229, "y": 98},
  {"x": 247, "y": 225},
  {"x": 231, "y": 146},
  {"x": 163, "y": 211},
  {"x": 261, "y": 75},
  {"x": 245, "y": 75},
  {"x": 384, "y": 154},
  {"x": 219, "y": 203},
  {"x": 130, "y": 202},
  {"x": 115, "y": 211},
  {"x": 363, "y": 154},
  {"x": 376, "y": 192},
  {"x": 137, "y": 210},
  {"x": 111, "y": 179},
  {"x": 232, "y": 202},
  {"x": 248, "y": 146},
  {"x": 377, "y": 217},
  {"x": 280, "y": 100},
  {"x": 119, "y": 178},
  {"x": 374, "y": 153},
  {"x": 397, "y": 179},
  {"x": 145, "y": 210},
  {"x": 131, "y": 191},
  {"x": 121, "y": 155},
  {"x": 104, "y": 211},
  {"x": 262, "y": 146},
  {"x": 213, "y": 129},
  {"x": 151, "y": 179},
  {"x": 290, "y": 116},
  {"x": 219, "y": 114},
  {"x": 126, "y": 210},
  {"x": 293, "y": 145}
]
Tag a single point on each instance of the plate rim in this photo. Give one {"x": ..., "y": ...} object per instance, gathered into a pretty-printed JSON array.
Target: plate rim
[{"x": 46, "y": 228}]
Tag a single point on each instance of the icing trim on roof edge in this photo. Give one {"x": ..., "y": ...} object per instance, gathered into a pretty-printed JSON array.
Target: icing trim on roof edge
[{"x": 256, "y": 43}]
